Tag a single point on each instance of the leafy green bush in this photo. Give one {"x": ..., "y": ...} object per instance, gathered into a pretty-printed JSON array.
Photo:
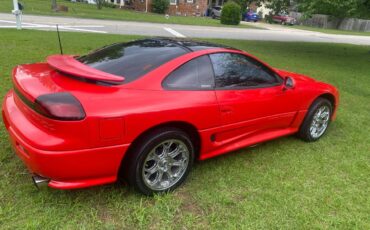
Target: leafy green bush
[
  {"x": 160, "y": 6},
  {"x": 99, "y": 4},
  {"x": 268, "y": 18},
  {"x": 231, "y": 14},
  {"x": 109, "y": 5}
]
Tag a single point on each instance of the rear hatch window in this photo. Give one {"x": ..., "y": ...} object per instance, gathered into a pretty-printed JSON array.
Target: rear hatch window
[{"x": 133, "y": 59}]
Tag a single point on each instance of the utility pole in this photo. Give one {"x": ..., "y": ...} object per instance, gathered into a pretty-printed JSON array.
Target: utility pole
[{"x": 17, "y": 14}]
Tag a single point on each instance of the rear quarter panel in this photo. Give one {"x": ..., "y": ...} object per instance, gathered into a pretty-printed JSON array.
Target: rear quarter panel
[{"x": 140, "y": 110}]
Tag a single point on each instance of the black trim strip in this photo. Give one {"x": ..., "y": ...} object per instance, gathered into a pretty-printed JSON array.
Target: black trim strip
[{"x": 24, "y": 98}]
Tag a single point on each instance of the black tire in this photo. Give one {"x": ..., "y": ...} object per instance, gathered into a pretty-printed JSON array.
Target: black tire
[
  {"x": 213, "y": 16},
  {"x": 304, "y": 131},
  {"x": 134, "y": 165}
]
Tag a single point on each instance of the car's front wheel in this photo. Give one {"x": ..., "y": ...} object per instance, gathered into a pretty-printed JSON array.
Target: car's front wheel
[
  {"x": 317, "y": 120},
  {"x": 162, "y": 161}
]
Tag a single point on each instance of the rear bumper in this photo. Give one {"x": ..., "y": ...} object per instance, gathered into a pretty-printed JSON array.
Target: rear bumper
[{"x": 65, "y": 169}]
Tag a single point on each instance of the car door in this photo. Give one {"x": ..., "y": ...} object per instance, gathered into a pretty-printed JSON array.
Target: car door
[
  {"x": 190, "y": 89},
  {"x": 251, "y": 96}
]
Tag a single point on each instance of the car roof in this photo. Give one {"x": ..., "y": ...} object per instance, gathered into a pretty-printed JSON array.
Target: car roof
[
  {"x": 134, "y": 59},
  {"x": 187, "y": 44}
]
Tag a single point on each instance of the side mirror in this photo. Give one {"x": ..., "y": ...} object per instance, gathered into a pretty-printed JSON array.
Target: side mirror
[{"x": 288, "y": 83}]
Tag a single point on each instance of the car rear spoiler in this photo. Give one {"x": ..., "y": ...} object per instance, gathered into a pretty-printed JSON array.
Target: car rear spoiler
[{"x": 69, "y": 65}]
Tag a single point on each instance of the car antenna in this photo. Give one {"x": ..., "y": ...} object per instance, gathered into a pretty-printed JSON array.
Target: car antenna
[{"x": 60, "y": 43}]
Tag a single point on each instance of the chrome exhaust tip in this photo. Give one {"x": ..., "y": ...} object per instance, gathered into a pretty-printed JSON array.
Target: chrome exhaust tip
[{"x": 40, "y": 181}]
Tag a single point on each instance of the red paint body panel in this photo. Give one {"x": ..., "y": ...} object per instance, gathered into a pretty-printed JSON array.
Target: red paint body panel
[
  {"x": 75, "y": 154},
  {"x": 283, "y": 18},
  {"x": 80, "y": 168}
]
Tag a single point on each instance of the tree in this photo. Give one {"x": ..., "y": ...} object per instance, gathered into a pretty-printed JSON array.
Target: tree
[
  {"x": 99, "y": 4},
  {"x": 244, "y": 4},
  {"x": 160, "y": 6},
  {"x": 53, "y": 4},
  {"x": 363, "y": 9},
  {"x": 278, "y": 6},
  {"x": 336, "y": 8}
]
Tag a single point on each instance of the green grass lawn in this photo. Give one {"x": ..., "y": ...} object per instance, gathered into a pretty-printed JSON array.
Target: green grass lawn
[
  {"x": 281, "y": 184},
  {"x": 82, "y": 10},
  {"x": 331, "y": 31}
]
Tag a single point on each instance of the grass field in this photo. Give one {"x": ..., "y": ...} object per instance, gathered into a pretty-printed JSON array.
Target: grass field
[
  {"x": 331, "y": 31},
  {"x": 82, "y": 10},
  {"x": 282, "y": 184}
]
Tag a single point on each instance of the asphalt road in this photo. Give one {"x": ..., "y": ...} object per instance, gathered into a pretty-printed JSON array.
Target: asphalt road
[{"x": 270, "y": 33}]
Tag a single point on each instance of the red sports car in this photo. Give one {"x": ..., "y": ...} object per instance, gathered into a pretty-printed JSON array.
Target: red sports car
[
  {"x": 145, "y": 110},
  {"x": 284, "y": 19}
]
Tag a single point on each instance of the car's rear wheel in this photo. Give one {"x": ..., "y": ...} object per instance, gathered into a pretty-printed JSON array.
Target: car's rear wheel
[
  {"x": 317, "y": 120},
  {"x": 162, "y": 161}
]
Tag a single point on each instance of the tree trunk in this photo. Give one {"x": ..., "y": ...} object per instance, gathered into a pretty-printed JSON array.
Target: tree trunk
[
  {"x": 54, "y": 5},
  {"x": 99, "y": 4},
  {"x": 339, "y": 22}
]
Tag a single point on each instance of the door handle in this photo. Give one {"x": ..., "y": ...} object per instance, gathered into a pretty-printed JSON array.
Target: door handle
[{"x": 226, "y": 109}]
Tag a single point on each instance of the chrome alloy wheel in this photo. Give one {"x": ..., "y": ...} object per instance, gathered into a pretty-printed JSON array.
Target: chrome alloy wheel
[
  {"x": 165, "y": 164},
  {"x": 320, "y": 121}
]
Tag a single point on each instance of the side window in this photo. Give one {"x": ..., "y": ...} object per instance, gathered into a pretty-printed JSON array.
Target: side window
[
  {"x": 239, "y": 71},
  {"x": 196, "y": 74}
]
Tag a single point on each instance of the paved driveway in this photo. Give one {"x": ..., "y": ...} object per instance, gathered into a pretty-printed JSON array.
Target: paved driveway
[{"x": 272, "y": 33}]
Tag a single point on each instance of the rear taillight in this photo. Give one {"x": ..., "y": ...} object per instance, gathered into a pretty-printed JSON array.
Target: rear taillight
[{"x": 59, "y": 106}]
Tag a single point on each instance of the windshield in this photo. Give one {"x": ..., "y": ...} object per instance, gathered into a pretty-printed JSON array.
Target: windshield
[{"x": 132, "y": 60}]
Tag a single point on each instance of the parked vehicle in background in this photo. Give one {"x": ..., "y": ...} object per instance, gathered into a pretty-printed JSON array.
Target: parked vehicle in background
[
  {"x": 251, "y": 16},
  {"x": 216, "y": 12},
  {"x": 284, "y": 19}
]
